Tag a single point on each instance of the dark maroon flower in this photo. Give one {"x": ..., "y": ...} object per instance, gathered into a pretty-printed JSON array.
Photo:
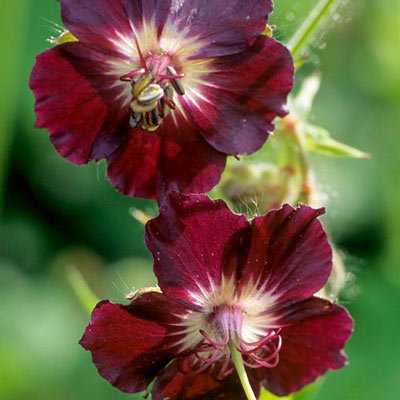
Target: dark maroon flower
[
  {"x": 225, "y": 281},
  {"x": 164, "y": 89}
]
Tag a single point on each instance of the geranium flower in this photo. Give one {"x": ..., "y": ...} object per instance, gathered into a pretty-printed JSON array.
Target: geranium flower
[
  {"x": 164, "y": 89},
  {"x": 226, "y": 285}
]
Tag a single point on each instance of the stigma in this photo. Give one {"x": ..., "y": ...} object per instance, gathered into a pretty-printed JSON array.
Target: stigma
[{"x": 153, "y": 88}]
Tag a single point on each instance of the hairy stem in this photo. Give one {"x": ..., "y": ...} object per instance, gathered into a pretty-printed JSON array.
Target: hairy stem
[
  {"x": 244, "y": 379},
  {"x": 302, "y": 37}
]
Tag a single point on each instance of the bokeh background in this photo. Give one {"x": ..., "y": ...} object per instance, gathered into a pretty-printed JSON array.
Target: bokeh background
[{"x": 55, "y": 215}]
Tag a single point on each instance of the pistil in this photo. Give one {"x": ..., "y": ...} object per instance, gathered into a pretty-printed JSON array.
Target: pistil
[{"x": 241, "y": 371}]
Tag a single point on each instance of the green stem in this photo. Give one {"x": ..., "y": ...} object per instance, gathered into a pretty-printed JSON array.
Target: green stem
[
  {"x": 81, "y": 289},
  {"x": 308, "y": 193},
  {"x": 244, "y": 379},
  {"x": 301, "y": 38}
]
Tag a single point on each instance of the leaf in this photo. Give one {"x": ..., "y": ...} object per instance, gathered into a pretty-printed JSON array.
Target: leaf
[{"x": 320, "y": 141}]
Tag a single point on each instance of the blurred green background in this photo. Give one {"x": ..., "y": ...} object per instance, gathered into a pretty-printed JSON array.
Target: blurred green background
[{"x": 54, "y": 214}]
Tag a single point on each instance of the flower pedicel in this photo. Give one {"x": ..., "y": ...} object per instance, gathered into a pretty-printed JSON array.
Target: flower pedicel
[
  {"x": 229, "y": 287},
  {"x": 164, "y": 90}
]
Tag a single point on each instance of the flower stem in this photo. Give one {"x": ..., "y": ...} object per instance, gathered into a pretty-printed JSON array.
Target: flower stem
[
  {"x": 301, "y": 38},
  {"x": 244, "y": 379},
  {"x": 307, "y": 191},
  {"x": 81, "y": 289}
]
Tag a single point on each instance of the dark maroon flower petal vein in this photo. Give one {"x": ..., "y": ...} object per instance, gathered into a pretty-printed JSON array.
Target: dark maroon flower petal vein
[
  {"x": 194, "y": 241},
  {"x": 225, "y": 26},
  {"x": 96, "y": 22},
  {"x": 243, "y": 96},
  {"x": 312, "y": 345},
  {"x": 290, "y": 250}
]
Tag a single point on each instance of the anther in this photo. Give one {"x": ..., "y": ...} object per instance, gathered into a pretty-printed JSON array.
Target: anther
[
  {"x": 175, "y": 82},
  {"x": 137, "y": 107},
  {"x": 141, "y": 84},
  {"x": 150, "y": 94}
]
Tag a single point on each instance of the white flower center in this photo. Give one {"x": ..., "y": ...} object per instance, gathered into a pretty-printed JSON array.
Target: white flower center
[{"x": 231, "y": 314}]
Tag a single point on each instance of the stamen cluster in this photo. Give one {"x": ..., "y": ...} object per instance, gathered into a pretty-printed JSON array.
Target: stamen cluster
[
  {"x": 153, "y": 91},
  {"x": 227, "y": 326}
]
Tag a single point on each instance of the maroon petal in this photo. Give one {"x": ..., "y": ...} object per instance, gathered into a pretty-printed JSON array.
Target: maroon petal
[
  {"x": 310, "y": 347},
  {"x": 175, "y": 385},
  {"x": 224, "y": 26},
  {"x": 148, "y": 12},
  {"x": 236, "y": 103},
  {"x": 290, "y": 252},
  {"x": 96, "y": 23},
  {"x": 131, "y": 344},
  {"x": 194, "y": 241},
  {"x": 133, "y": 169},
  {"x": 77, "y": 102},
  {"x": 174, "y": 157}
]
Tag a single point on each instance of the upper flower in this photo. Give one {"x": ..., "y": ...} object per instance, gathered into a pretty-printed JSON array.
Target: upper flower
[
  {"x": 164, "y": 89},
  {"x": 225, "y": 282}
]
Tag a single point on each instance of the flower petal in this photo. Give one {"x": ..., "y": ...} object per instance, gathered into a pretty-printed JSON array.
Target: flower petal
[
  {"x": 175, "y": 385},
  {"x": 290, "y": 253},
  {"x": 131, "y": 344},
  {"x": 225, "y": 27},
  {"x": 310, "y": 347},
  {"x": 235, "y": 104},
  {"x": 77, "y": 102},
  {"x": 142, "y": 13},
  {"x": 96, "y": 23},
  {"x": 174, "y": 157},
  {"x": 194, "y": 241}
]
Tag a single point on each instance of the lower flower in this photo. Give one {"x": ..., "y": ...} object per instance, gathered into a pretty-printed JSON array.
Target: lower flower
[{"x": 227, "y": 286}]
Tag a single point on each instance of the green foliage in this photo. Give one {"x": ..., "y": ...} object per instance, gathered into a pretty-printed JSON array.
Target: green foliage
[
  {"x": 10, "y": 73},
  {"x": 320, "y": 141}
]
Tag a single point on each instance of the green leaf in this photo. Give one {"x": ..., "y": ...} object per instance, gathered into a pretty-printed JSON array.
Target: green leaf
[{"x": 320, "y": 141}]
